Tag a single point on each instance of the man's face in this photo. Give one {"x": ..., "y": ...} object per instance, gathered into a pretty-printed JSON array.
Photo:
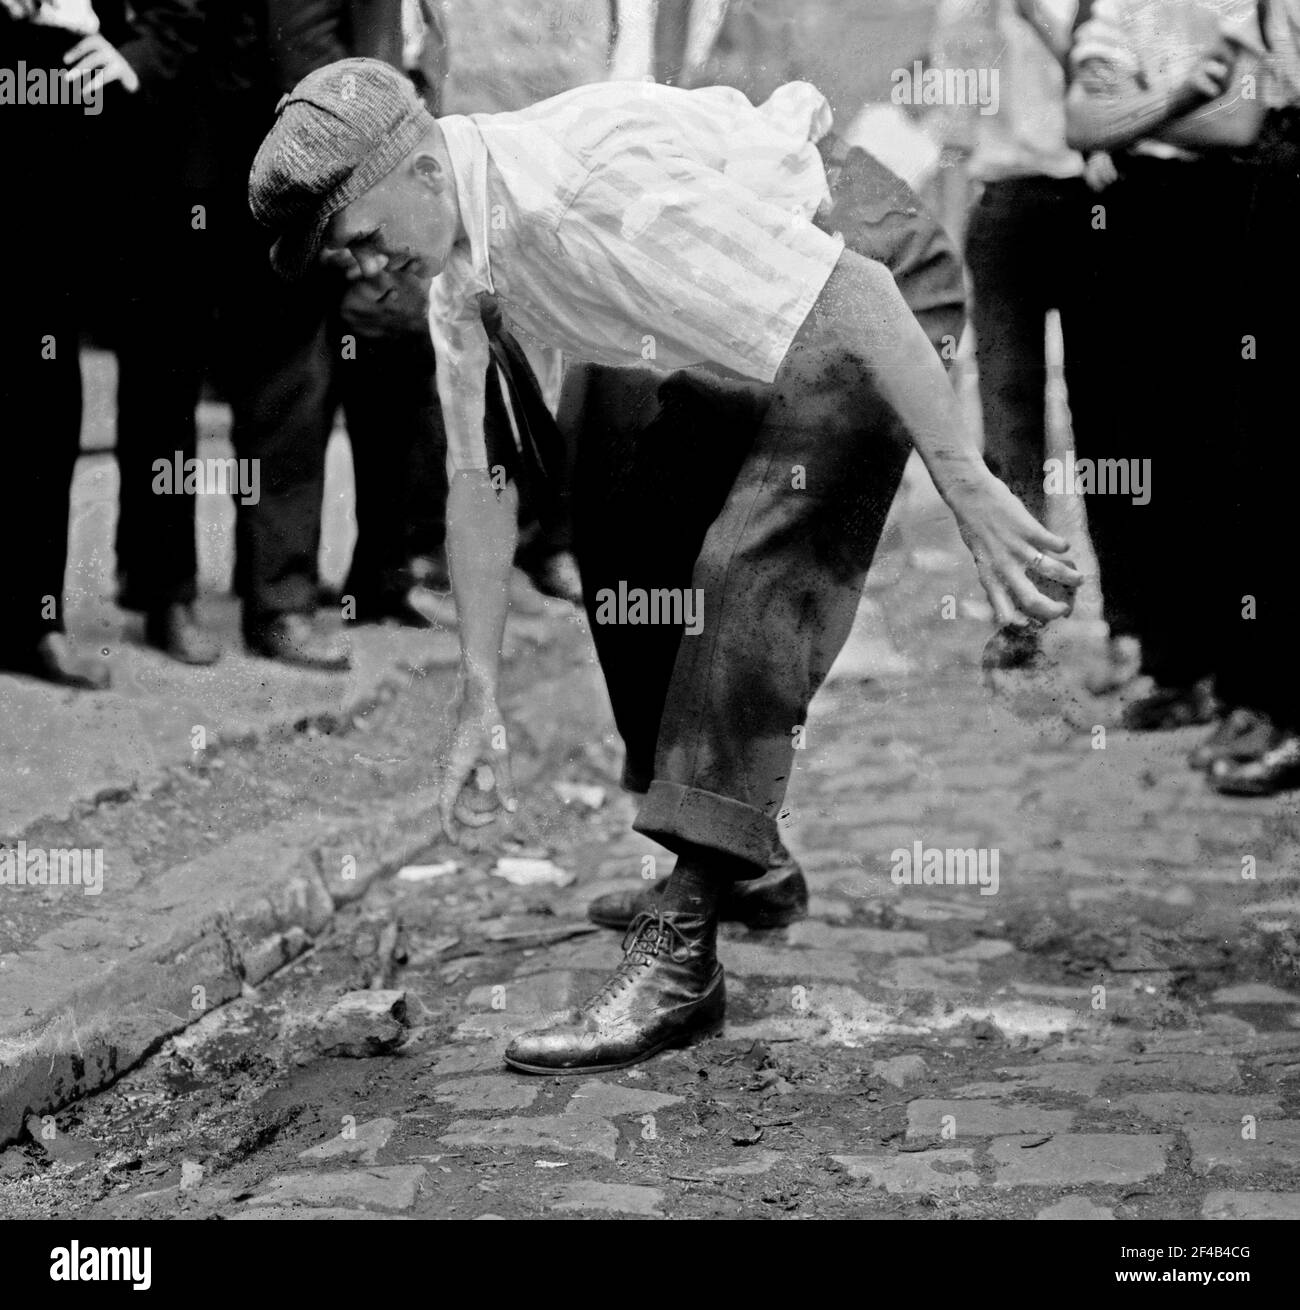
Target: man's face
[{"x": 408, "y": 222}]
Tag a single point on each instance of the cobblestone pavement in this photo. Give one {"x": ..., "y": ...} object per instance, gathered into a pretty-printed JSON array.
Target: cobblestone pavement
[{"x": 1113, "y": 1032}]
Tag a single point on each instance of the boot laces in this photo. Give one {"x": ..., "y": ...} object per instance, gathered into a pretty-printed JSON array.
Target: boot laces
[{"x": 648, "y": 936}]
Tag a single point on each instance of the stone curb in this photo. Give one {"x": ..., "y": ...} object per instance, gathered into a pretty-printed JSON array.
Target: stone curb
[{"x": 226, "y": 920}]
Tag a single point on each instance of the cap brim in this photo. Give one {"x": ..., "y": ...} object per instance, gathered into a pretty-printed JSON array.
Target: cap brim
[{"x": 298, "y": 249}]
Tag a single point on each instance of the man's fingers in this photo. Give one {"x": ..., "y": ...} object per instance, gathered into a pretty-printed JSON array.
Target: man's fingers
[
  {"x": 1058, "y": 570},
  {"x": 1031, "y": 601},
  {"x": 1040, "y": 538},
  {"x": 1004, "y": 610},
  {"x": 84, "y": 47}
]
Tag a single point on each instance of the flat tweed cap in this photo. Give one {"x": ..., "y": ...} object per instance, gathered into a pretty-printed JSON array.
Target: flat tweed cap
[{"x": 338, "y": 132}]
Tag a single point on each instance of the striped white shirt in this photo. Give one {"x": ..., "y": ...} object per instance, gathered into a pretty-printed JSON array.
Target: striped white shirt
[{"x": 634, "y": 224}]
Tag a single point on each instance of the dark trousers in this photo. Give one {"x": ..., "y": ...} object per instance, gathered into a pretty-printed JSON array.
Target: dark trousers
[
  {"x": 767, "y": 506},
  {"x": 1258, "y": 469},
  {"x": 1030, "y": 249},
  {"x": 49, "y": 225},
  {"x": 1175, "y": 369},
  {"x": 163, "y": 333},
  {"x": 294, "y": 364}
]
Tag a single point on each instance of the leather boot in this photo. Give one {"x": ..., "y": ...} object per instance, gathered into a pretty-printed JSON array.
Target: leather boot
[
  {"x": 1241, "y": 735},
  {"x": 52, "y": 659},
  {"x": 775, "y": 900},
  {"x": 556, "y": 575},
  {"x": 1166, "y": 708},
  {"x": 292, "y": 639},
  {"x": 172, "y": 630},
  {"x": 1275, "y": 769},
  {"x": 668, "y": 990}
]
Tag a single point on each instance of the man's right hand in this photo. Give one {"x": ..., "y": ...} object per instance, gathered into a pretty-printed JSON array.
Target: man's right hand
[
  {"x": 478, "y": 738},
  {"x": 20, "y": 8}
]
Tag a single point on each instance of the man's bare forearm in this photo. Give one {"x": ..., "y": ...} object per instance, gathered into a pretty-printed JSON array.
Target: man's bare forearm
[
  {"x": 482, "y": 533},
  {"x": 861, "y": 321},
  {"x": 1101, "y": 121}
]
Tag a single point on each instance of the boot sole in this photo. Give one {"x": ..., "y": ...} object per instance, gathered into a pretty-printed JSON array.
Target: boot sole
[
  {"x": 713, "y": 1028},
  {"x": 774, "y": 919},
  {"x": 767, "y": 921}
]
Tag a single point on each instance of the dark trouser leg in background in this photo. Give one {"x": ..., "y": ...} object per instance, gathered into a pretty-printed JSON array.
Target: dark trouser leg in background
[
  {"x": 40, "y": 379},
  {"x": 162, "y": 352},
  {"x": 398, "y": 444},
  {"x": 1255, "y": 530},
  {"x": 1256, "y": 749},
  {"x": 1174, "y": 356},
  {"x": 1017, "y": 270},
  {"x": 283, "y": 400}
]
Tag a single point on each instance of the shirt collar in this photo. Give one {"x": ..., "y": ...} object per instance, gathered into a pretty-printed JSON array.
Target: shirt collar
[{"x": 469, "y": 164}]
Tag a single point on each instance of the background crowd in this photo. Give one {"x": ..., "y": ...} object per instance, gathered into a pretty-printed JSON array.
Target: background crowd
[{"x": 1140, "y": 179}]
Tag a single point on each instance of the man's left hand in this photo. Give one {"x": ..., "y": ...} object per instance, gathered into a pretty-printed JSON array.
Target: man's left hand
[{"x": 1009, "y": 545}]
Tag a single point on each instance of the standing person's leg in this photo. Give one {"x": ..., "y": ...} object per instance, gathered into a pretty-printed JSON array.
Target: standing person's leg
[
  {"x": 163, "y": 343},
  {"x": 1095, "y": 285},
  {"x": 40, "y": 381},
  {"x": 281, "y": 382},
  {"x": 1258, "y": 748},
  {"x": 1009, "y": 254},
  {"x": 1010, "y": 260},
  {"x": 1179, "y": 405},
  {"x": 399, "y": 446}
]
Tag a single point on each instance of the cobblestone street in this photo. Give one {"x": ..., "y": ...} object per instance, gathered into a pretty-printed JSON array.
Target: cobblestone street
[{"x": 1109, "y": 1030}]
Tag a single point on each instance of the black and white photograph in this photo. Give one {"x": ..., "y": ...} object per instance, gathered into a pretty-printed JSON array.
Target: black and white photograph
[{"x": 650, "y": 610}]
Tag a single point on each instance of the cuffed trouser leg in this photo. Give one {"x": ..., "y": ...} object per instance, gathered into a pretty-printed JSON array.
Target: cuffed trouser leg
[
  {"x": 777, "y": 584},
  {"x": 768, "y": 523}
]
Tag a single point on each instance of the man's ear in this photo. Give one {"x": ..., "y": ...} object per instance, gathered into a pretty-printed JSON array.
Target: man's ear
[{"x": 429, "y": 171}]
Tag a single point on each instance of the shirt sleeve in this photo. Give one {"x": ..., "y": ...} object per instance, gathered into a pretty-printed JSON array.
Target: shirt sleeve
[
  {"x": 697, "y": 267},
  {"x": 460, "y": 344},
  {"x": 1105, "y": 41}
]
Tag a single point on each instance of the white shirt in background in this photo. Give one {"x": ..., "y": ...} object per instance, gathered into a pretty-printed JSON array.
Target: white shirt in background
[{"x": 1026, "y": 137}]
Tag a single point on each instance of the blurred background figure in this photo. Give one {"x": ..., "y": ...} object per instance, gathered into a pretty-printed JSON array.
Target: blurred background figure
[
  {"x": 669, "y": 41},
  {"x": 1030, "y": 250},
  {"x": 1149, "y": 88},
  {"x": 64, "y": 200},
  {"x": 1254, "y": 749}
]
